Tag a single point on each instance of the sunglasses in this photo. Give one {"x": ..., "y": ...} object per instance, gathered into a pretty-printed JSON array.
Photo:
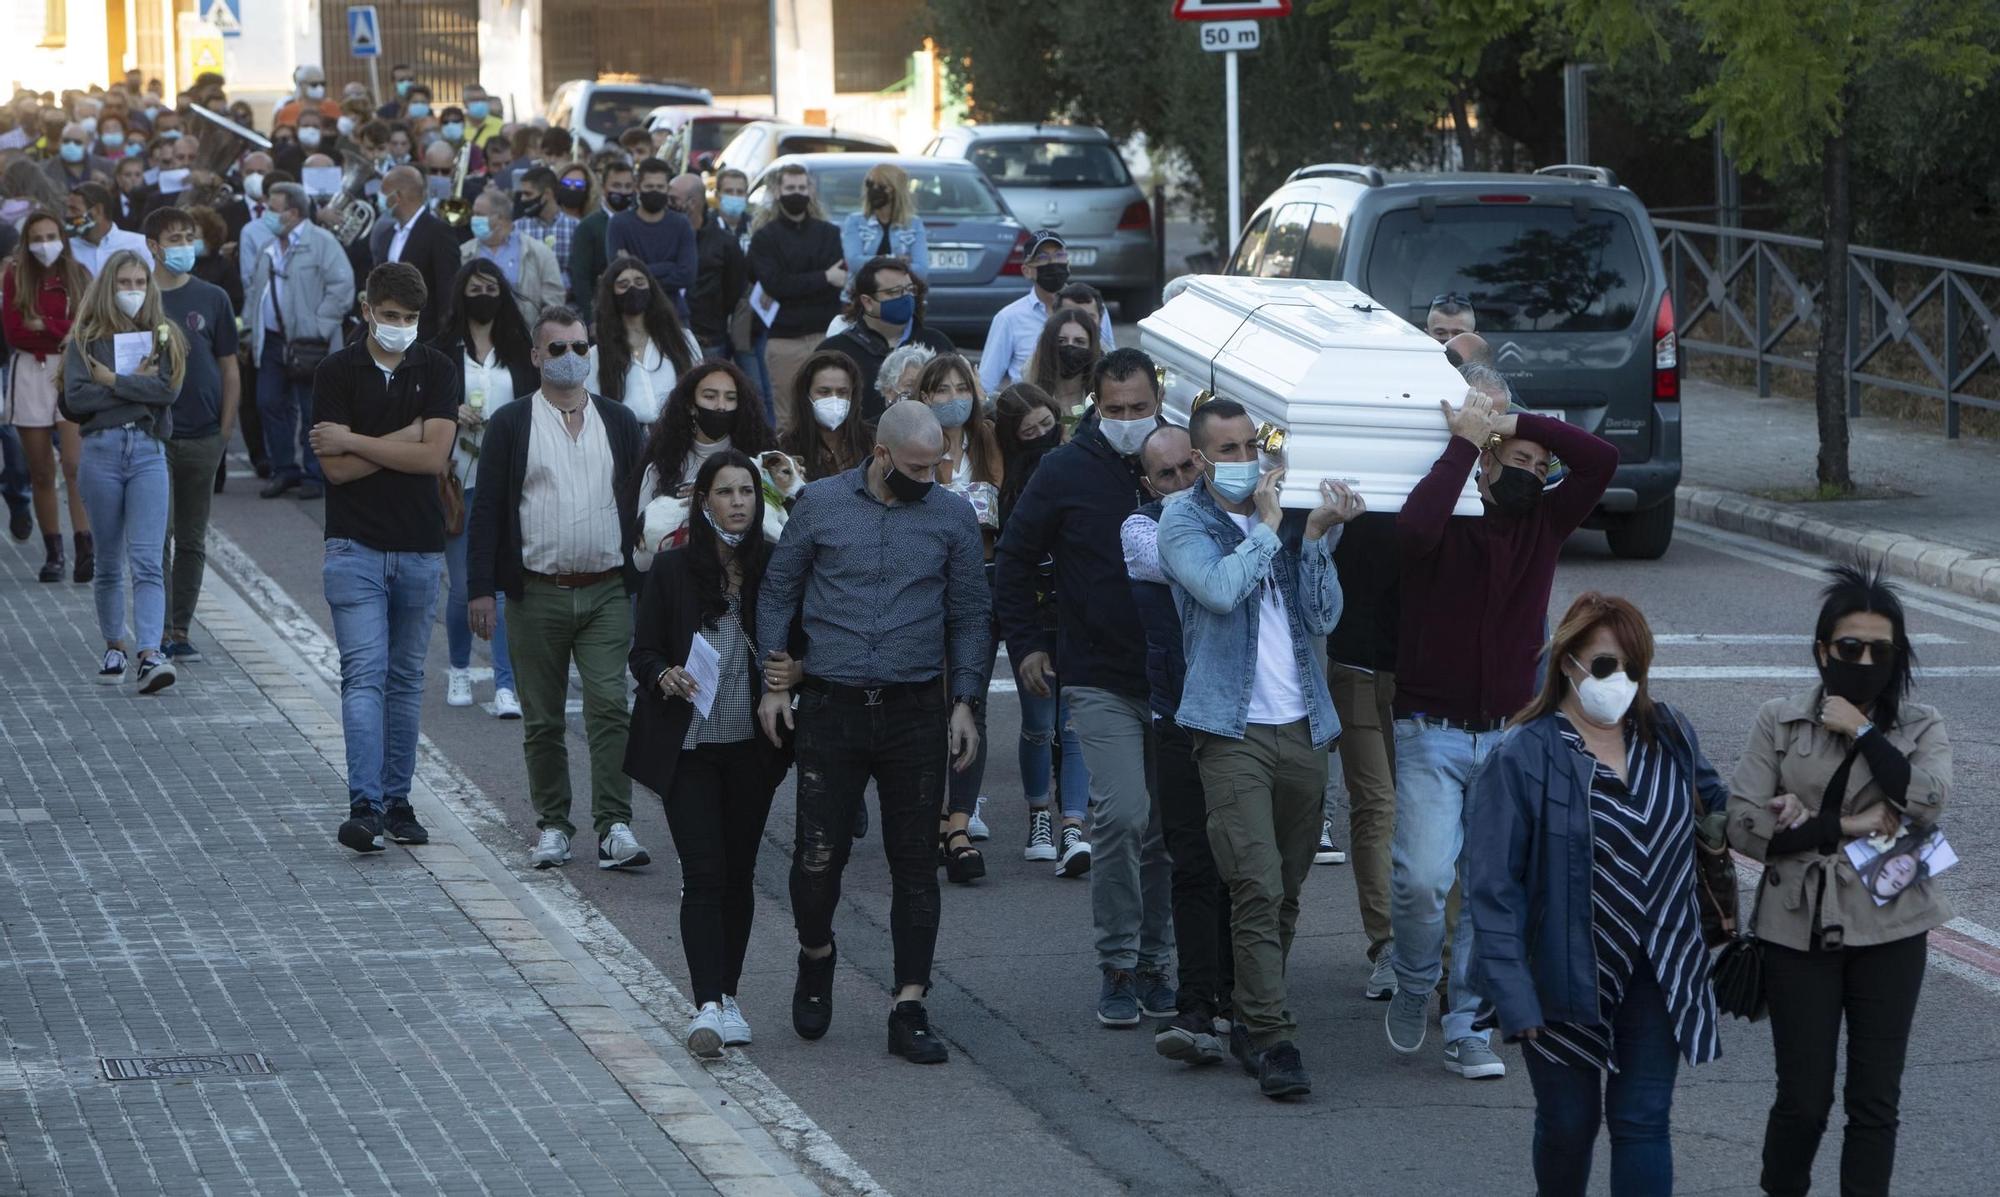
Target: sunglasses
[
  {"x": 558, "y": 348},
  {"x": 1457, "y": 297},
  {"x": 1603, "y": 665},
  {"x": 1849, "y": 649}
]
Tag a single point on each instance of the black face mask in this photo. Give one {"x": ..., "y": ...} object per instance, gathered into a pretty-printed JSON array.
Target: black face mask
[
  {"x": 1043, "y": 443},
  {"x": 1052, "y": 277},
  {"x": 1072, "y": 360},
  {"x": 713, "y": 424},
  {"x": 653, "y": 201},
  {"x": 795, "y": 204},
  {"x": 635, "y": 301},
  {"x": 879, "y": 196},
  {"x": 618, "y": 201},
  {"x": 1516, "y": 492},
  {"x": 526, "y": 209},
  {"x": 481, "y": 309},
  {"x": 905, "y": 488},
  {"x": 570, "y": 198},
  {"x": 1858, "y": 684}
]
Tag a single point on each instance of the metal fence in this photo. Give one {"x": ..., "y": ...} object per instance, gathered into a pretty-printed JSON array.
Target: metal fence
[{"x": 1915, "y": 325}]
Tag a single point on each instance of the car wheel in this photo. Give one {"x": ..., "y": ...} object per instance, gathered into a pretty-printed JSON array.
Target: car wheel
[
  {"x": 1137, "y": 303},
  {"x": 1643, "y": 535}
]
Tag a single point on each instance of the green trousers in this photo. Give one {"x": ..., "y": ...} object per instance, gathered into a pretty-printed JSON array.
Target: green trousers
[
  {"x": 546, "y": 630},
  {"x": 191, "y": 466}
]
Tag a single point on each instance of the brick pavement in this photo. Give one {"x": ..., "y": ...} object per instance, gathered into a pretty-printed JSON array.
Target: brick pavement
[{"x": 169, "y": 885}]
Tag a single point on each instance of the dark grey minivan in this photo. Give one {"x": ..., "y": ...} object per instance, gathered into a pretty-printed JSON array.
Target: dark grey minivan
[{"x": 1563, "y": 271}]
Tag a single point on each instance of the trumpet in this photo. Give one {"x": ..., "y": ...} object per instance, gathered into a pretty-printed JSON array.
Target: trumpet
[{"x": 453, "y": 209}]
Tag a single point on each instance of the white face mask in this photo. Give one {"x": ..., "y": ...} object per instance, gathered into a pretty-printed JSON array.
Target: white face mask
[
  {"x": 346, "y": 126},
  {"x": 732, "y": 539},
  {"x": 1127, "y": 435},
  {"x": 394, "y": 339},
  {"x": 1605, "y": 700},
  {"x": 316, "y": 91},
  {"x": 831, "y": 412},
  {"x": 46, "y": 252},
  {"x": 253, "y": 186},
  {"x": 129, "y": 302}
]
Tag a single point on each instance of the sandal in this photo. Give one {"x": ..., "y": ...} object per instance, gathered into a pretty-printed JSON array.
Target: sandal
[{"x": 962, "y": 864}]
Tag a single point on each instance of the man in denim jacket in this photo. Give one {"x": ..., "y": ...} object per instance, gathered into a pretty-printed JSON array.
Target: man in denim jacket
[{"x": 1252, "y": 609}]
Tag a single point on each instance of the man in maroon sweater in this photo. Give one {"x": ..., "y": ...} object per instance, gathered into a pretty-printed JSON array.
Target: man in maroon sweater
[{"x": 1475, "y": 604}]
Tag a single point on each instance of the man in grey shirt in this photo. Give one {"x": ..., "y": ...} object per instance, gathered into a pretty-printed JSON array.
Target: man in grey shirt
[{"x": 891, "y": 572}]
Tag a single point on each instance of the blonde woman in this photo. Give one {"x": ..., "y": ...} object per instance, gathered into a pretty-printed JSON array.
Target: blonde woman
[
  {"x": 124, "y": 418},
  {"x": 887, "y": 225}
]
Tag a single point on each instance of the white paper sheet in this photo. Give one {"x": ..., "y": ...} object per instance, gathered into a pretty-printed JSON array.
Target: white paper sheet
[
  {"x": 173, "y": 182},
  {"x": 705, "y": 667},
  {"x": 320, "y": 181},
  {"x": 128, "y": 350},
  {"x": 762, "y": 304}
]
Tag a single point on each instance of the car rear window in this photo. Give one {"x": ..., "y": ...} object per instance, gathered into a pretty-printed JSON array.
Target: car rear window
[
  {"x": 1050, "y": 163},
  {"x": 828, "y": 145},
  {"x": 942, "y": 192},
  {"x": 1526, "y": 267},
  {"x": 706, "y": 135},
  {"x": 613, "y": 110}
]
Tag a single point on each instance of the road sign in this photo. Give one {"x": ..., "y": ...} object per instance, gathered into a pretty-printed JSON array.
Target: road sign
[
  {"x": 226, "y": 15},
  {"x": 364, "y": 32},
  {"x": 200, "y": 46},
  {"x": 1230, "y": 10},
  {"x": 1220, "y": 36}
]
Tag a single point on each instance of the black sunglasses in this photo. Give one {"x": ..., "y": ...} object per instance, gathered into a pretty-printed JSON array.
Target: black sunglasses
[
  {"x": 1848, "y": 649},
  {"x": 558, "y": 348},
  {"x": 1603, "y": 665},
  {"x": 1457, "y": 297}
]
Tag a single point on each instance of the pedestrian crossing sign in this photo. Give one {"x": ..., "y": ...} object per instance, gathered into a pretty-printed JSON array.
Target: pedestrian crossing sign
[
  {"x": 364, "y": 32},
  {"x": 1230, "y": 10},
  {"x": 225, "y": 15}
]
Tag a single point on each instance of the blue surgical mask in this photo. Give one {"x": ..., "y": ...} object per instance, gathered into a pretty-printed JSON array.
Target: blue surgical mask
[
  {"x": 732, "y": 206},
  {"x": 420, "y": 110},
  {"x": 71, "y": 152},
  {"x": 170, "y": 135},
  {"x": 200, "y": 248},
  {"x": 112, "y": 140},
  {"x": 403, "y": 86},
  {"x": 133, "y": 149},
  {"x": 273, "y": 221},
  {"x": 482, "y": 228},
  {"x": 179, "y": 258},
  {"x": 453, "y": 130},
  {"x": 900, "y": 309},
  {"x": 477, "y": 110},
  {"x": 953, "y": 413},
  {"x": 1236, "y": 479}
]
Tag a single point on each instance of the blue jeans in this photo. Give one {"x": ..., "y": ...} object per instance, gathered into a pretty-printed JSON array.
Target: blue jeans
[
  {"x": 13, "y": 465},
  {"x": 1038, "y": 737},
  {"x": 754, "y": 364},
  {"x": 383, "y": 604},
  {"x": 123, "y": 478},
  {"x": 286, "y": 408},
  {"x": 1435, "y": 769},
  {"x": 1636, "y": 1101},
  {"x": 457, "y": 629}
]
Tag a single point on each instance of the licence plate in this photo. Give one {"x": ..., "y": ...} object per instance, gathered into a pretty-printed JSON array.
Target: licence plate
[
  {"x": 1082, "y": 256},
  {"x": 951, "y": 259}
]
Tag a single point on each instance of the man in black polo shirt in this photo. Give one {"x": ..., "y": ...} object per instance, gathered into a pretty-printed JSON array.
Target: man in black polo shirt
[{"x": 388, "y": 408}]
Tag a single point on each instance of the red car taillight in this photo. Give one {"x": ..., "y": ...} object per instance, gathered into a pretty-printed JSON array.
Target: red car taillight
[
  {"x": 1017, "y": 255},
  {"x": 1138, "y": 215},
  {"x": 1666, "y": 354}
]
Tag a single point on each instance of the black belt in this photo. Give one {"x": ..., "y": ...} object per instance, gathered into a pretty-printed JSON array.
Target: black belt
[
  {"x": 1471, "y": 727},
  {"x": 871, "y": 696},
  {"x": 576, "y": 581}
]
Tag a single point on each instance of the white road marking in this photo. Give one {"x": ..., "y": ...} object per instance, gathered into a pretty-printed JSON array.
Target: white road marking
[
  {"x": 1720, "y": 638},
  {"x": 789, "y": 1126},
  {"x": 1796, "y": 673},
  {"x": 1916, "y": 596}
]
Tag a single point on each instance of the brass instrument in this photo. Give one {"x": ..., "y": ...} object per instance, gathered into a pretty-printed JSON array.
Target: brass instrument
[
  {"x": 354, "y": 211},
  {"x": 454, "y": 209},
  {"x": 222, "y": 143}
]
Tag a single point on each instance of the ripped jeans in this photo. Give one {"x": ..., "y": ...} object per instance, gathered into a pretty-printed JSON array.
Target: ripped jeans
[{"x": 840, "y": 746}]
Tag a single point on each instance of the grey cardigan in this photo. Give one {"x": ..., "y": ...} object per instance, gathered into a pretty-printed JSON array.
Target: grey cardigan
[{"x": 145, "y": 400}]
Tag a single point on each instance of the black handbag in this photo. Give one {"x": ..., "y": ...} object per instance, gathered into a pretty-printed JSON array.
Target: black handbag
[{"x": 303, "y": 356}]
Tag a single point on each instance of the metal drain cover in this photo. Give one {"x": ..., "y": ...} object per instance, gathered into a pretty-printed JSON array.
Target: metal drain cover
[{"x": 174, "y": 1068}]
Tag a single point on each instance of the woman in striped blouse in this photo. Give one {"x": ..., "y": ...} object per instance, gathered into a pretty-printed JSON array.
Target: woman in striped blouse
[{"x": 1581, "y": 882}]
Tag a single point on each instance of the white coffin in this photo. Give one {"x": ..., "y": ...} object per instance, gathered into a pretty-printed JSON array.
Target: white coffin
[{"x": 1353, "y": 387}]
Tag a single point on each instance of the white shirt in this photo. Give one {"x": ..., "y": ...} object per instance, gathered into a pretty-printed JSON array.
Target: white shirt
[
  {"x": 402, "y": 235},
  {"x": 1010, "y": 340},
  {"x": 489, "y": 386},
  {"x": 93, "y": 257},
  {"x": 649, "y": 378},
  {"x": 569, "y": 512},
  {"x": 281, "y": 245},
  {"x": 1275, "y": 695}
]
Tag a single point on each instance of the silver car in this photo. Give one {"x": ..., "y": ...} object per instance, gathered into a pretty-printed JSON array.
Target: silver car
[{"x": 1070, "y": 178}]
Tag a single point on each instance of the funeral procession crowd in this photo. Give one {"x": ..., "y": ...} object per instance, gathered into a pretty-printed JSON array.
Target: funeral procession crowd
[{"x": 791, "y": 543}]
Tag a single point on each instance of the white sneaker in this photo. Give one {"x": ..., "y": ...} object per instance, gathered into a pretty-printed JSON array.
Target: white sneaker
[
  {"x": 113, "y": 670},
  {"x": 705, "y": 1033},
  {"x": 458, "y": 688},
  {"x": 551, "y": 850},
  {"x": 976, "y": 826},
  {"x": 1328, "y": 851},
  {"x": 505, "y": 705},
  {"x": 619, "y": 850},
  {"x": 1041, "y": 836},
  {"x": 735, "y": 1027}
]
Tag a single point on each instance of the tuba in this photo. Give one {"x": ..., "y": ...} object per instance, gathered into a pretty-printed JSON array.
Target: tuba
[
  {"x": 223, "y": 143},
  {"x": 453, "y": 209},
  {"x": 355, "y": 212}
]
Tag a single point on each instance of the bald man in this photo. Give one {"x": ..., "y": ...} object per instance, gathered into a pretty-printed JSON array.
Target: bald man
[
  {"x": 408, "y": 232},
  {"x": 721, "y": 272},
  {"x": 872, "y": 700},
  {"x": 1468, "y": 349}
]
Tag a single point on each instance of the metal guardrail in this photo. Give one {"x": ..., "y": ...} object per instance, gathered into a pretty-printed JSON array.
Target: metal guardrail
[{"x": 1741, "y": 294}]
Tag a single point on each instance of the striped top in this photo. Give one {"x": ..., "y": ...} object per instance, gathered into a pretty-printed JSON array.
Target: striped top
[
  {"x": 730, "y": 720},
  {"x": 1643, "y": 911}
]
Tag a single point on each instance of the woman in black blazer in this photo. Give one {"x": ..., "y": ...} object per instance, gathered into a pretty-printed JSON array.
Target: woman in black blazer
[{"x": 716, "y": 773}]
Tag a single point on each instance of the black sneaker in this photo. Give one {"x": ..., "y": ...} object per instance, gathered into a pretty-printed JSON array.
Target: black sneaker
[
  {"x": 155, "y": 674},
  {"x": 362, "y": 831},
  {"x": 401, "y": 824},
  {"x": 1241, "y": 1047},
  {"x": 812, "y": 997},
  {"x": 180, "y": 651},
  {"x": 20, "y": 521},
  {"x": 278, "y": 486},
  {"x": 1280, "y": 1072},
  {"x": 910, "y": 1035},
  {"x": 1189, "y": 1037}
]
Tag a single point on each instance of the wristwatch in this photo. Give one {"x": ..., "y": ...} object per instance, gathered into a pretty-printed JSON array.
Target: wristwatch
[
  {"x": 1861, "y": 732},
  {"x": 978, "y": 705}
]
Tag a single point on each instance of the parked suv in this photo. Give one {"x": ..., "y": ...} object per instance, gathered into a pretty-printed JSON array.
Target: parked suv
[
  {"x": 760, "y": 143},
  {"x": 1070, "y": 178},
  {"x": 598, "y": 110},
  {"x": 1563, "y": 271}
]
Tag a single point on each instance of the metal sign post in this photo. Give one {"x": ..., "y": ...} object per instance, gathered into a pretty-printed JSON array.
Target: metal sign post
[{"x": 1230, "y": 27}]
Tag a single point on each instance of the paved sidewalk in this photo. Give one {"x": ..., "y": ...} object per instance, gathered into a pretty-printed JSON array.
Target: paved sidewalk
[
  {"x": 169, "y": 886},
  {"x": 1739, "y": 449}
]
